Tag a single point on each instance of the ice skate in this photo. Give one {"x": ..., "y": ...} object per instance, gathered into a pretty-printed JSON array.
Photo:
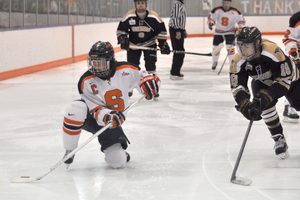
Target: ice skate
[
  {"x": 177, "y": 77},
  {"x": 214, "y": 65},
  {"x": 156, "y": 97},
  {"x": 281, "y": 148},
  {"x": 127, "y": 157},
  {"x": 290, "y": 114},
  {"x": 70, "y": 160}
]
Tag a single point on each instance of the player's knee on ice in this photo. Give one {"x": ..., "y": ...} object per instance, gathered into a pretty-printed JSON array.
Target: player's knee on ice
[{"x": 115, "y": 156}]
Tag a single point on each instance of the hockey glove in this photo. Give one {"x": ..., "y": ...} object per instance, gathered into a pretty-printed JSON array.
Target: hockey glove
[
  {"x": 248, "y": 110},
  {"x": 124, "y": 41},
  {"x": 254, "y": 111},
  {"x": 116, "y": 117},
  {"x": 263, "y": 98},
  {"x": 164, "y": 48},
  {"x": 294, "y": 54},
  {"x": 211, "y": 24},
  {"x": 149, "y": 85}
]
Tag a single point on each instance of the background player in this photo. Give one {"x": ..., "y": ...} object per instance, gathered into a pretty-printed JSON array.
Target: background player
[
  {"x": 104, "y": 96},
  {"x": 142, "y": 27},
  {"x": 225, "y": 18},
  {"x": 273, "y": 75},
  {"x": 291, "y": 42}
]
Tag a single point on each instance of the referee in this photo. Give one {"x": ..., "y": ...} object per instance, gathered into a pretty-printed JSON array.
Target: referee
[{"x": 177, "y": 33}]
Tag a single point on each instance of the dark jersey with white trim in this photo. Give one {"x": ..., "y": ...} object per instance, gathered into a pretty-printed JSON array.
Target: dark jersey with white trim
[
  {"x": 142, "y": 32},
  {"x": 273, "y": 68}
]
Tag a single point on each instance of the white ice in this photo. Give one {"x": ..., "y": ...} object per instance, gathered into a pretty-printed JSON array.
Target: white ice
[{"x": 183, "y": 147}]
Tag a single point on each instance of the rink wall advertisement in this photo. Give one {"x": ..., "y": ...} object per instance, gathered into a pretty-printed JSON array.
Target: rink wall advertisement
[{"x": 28, "y": 50}]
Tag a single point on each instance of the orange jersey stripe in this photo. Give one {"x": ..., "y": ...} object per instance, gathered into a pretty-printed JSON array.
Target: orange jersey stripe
[
  {"x": 71, "y": 132},
  {"x": 126, "y": 66},
  {"x": 73, "y": 122}
]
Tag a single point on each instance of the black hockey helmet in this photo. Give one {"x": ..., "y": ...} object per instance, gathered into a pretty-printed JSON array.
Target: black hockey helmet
[
  {"x": 227, "y": 6},
  {"x": 101, "y": 59},
  {"x": 140, "y": 10},
  {"x": 249, "y": 42}
]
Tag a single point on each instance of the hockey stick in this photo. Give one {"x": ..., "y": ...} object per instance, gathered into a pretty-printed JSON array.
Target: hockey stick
[
  {"x": 241, "y": 180},
  {"x": 226, "y": 56},
  {"x": 28, "y": 179},
  {"x": 216, "y": 50}
]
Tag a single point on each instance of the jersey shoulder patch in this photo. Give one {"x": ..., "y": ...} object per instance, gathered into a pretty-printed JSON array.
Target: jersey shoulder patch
[{"x": 273, "y": 49}]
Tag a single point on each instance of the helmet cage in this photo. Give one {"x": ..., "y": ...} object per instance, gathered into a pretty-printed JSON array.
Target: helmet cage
[
  {"x": 101, "y": 57},
  {"x": 99, "y": 67},
  {"x": 140, "y": 10},
  {"x": 227, "y": 7},
  {"x": 248, "y": 43}
]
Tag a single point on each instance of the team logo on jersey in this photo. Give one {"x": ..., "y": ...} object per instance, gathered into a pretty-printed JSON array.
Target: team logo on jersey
[
  {"x": 131, "y": 22},
  {"x": 248, "y": 66},
  {"x": 141, "y": 35},
  {"x": 125, "y": 74}
]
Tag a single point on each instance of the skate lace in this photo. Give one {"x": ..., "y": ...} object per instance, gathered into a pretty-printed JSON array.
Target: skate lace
[
  {"x": 292, "y": 111},
  {"x": 280, "y": 142}
]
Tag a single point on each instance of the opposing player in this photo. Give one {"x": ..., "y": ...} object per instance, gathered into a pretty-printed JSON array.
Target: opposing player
[
  {"x": 142, "y": 27},
  {"x": 273, "y": 74},
  {"x": 226, "y": 18},
  {"x": 104, "y": 96},
  {"x": 291, "y": 42}
]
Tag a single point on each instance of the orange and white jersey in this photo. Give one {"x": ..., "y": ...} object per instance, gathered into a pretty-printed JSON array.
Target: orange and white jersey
[
  {"x": 103, "y": 95},
  {"x": 226, "y": 21},
  {"x": 292, "y": 35}
]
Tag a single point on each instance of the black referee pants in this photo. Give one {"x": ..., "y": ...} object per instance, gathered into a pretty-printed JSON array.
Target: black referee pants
[{"x": 177, "y": 45}]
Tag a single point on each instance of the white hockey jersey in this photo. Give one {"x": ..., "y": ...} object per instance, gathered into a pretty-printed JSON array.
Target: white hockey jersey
[
  {"x": 292, "y": 35},
  {"x": 226, "y": 22},
  {"x": 102, "y": 96}
]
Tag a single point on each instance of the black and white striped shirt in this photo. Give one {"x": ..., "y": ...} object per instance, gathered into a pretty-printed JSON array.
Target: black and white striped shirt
[{"x": 178, "y": 15}]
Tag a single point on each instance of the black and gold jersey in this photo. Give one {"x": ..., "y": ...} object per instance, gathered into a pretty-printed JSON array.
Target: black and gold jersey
[
  {"x": 142, "y": 32},
  {"x": 273, "y": 68}
]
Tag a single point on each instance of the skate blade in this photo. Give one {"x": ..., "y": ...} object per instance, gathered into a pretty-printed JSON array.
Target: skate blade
[
  {"x": 284, "y": 155},
  {"x": 290, "y": 120}
]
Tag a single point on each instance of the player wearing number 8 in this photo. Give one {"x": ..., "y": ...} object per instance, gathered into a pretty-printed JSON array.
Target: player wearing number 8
[
  {"x": 103, "y": 89},
  {"x": 273, "y": 74},
  {"x": 228, "y": 21}
]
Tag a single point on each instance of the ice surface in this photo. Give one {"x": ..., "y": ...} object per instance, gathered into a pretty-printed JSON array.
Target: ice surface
[{"x": 183, "y": 146}]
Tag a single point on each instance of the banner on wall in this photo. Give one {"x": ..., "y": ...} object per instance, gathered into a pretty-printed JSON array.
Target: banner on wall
[{"x": 207, "y": 5}]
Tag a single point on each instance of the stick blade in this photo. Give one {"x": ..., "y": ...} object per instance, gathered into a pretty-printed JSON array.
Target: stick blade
[
  {"x": 241, "y": 181},
  {"x": 216, "y": 50},
  {"x": 23, "y": 179}
]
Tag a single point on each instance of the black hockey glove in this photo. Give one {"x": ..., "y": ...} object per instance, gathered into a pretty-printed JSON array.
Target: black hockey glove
[
  {"x": 294, "y": 54},
  {"x": 263, "y": 99},
  {"x": 249, "y": 110},
  {"x": 164, "y": 48},
  {"x": 149, "y": 85},
  {"x": 116, "y": 117},
  {"x": 124, "y": 41}
]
